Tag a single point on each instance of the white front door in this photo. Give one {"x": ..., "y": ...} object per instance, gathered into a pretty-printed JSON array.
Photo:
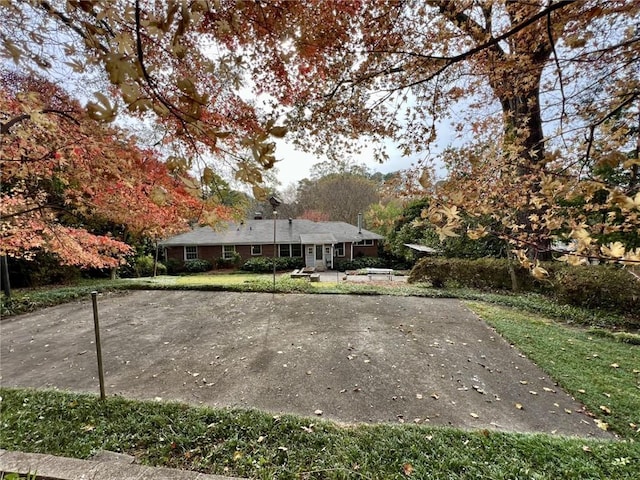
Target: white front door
[
  {"x": 319, "y": 256},
  {"x": 310, "y": 255}
]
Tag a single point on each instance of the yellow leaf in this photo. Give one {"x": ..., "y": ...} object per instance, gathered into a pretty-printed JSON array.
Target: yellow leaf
[
  {"x": 539, "y": 272},
  {"x": 613, "y": 250},
  {"x": 519, "y": 406},
  {"x": 474, "y": 415},
  {"x": 601, "y": 425}
]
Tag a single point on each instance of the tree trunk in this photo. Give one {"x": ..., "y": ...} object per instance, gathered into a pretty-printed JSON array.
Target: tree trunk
[
  {"x": 4, "y": 274},
  {"x": 523, "y": 132},
  {"x": 515, "y": 287}
]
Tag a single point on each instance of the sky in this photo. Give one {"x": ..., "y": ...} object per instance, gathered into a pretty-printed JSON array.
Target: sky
[{"x": 293, "y": 165}]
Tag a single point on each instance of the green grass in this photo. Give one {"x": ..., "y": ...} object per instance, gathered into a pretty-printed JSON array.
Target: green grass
[
  {"x": 258, "y": 445},
  {"x": 599, "y": 370},
  {"x": 234, "y": 279}
]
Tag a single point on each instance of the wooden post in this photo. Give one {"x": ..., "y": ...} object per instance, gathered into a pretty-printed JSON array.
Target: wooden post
[{"x": 94, "y": 299}]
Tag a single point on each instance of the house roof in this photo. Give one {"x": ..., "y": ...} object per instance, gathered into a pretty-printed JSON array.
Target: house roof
[{"x": 256, "y": 232}]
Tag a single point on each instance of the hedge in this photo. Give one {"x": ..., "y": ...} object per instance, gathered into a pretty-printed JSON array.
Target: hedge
[
  {"x": 265, "y": 264},
  {"x": 608, "y": 287},
  {"x": 359, "y": 263},
  {"x": 197, "y": 265}
]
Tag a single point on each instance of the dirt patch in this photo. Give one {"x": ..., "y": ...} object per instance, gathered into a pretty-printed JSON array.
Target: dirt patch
[{"x": 353, "y": 358}]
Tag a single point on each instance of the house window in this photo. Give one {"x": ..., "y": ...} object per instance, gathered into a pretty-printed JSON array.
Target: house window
[
  {"x": 190, "y": 252},
  {"x": 256, "y": 249},
  {"x": 228, "y": 252},
  {"x": 290, "y": 250},
  {"x": 339, "y": 250},
  {"x": 365, "y": 243}
]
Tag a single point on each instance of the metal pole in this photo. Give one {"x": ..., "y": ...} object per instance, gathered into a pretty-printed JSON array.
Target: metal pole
[
  {"x": 275, "y": 215},
  {"x": 94, "y": 299}
]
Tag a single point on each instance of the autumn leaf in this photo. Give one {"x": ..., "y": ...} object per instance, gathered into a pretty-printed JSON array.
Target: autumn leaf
[
  {"x": 601, "y": 425},
  {"x": 407, "y": 469}
]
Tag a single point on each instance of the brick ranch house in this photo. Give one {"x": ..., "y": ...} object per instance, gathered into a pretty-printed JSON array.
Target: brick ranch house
[{"x": 319, "y": 243}]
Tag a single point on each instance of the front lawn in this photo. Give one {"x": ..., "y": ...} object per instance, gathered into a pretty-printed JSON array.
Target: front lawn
[{"x": 258, "y": 445}]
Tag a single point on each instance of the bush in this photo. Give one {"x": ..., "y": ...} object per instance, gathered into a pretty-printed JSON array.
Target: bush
[
  {"x": 483, "y": 274},
  {"x": 599, "y": 286},
  {"x": 360, "y": 263},
  {"x": 174, "y": 267},
  {"x": 197, "y": 265},
  {"x": 143, "y": 266},
  {"x": 265, "y": 264},
  {"x": 232, "y": 262},
  {"x": 607, "y": 287}
]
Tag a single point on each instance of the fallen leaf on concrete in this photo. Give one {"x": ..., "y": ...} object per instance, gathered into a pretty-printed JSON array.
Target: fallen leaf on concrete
[
  {"x": 474, "y": 415},
  {"x": 435, "y": 396},
  {"x": 519, "y": 406},
  {"x": 318, "y": 412},
  {"x": 524, "y": 382},
  {"x": 533, "y": 392},
  {"x": 419, "y": 396},
  {"x": 601, "y": 425},
  {"x": 547, "y": 389}
]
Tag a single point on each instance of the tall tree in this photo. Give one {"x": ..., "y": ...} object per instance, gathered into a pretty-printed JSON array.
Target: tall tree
[
  {"x": 548, "y": 73},
  {"x": 77, "y": 189},
  {"x": 340, "y": 196}
]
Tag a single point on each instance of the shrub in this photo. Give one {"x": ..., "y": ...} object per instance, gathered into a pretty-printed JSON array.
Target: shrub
[
  {"x": 232, "y": 262},
  {"x": 197, "y": 265},
  {"x": 174, "y": 266},
  {"x": 143, "y": 266},
  {"x": 359, "y": 263},
  {"x": 265, "y": 264},
  {"x": 484, "y": 274},
  {"x": 599, "y": 286},
  {"x": 605, "y": 287}
]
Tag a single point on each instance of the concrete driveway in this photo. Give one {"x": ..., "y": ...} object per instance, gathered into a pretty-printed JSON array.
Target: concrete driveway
[{"x": 342, "y": 357}]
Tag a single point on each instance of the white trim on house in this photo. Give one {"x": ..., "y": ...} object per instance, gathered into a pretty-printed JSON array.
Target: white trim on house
[
  {"x": 228, "y": 252},
  {"x": 190, "y": 252}
]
